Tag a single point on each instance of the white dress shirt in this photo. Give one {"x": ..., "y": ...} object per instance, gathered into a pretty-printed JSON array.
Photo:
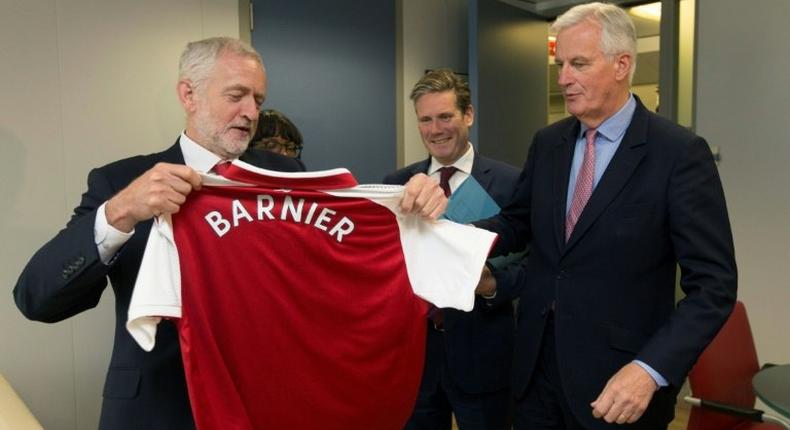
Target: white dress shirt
[{"x": 463, "y": 164}]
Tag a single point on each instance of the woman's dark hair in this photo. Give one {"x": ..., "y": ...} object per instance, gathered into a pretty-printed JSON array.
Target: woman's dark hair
[{"x": 272, "y": 123}]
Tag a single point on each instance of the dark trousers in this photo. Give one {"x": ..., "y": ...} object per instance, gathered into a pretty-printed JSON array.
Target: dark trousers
[
  {"x": 544, "y": 406},
  {"x": 439, "y": 397}
]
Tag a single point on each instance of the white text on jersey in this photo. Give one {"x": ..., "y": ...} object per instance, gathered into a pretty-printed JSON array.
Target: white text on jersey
[{"x": 289, "y": 211}]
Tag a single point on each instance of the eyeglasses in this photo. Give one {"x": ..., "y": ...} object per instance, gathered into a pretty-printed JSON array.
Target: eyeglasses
[{"x": 281, "y": 146}]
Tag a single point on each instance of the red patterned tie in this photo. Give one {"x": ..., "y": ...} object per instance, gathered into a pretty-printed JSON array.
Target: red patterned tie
[
  {"x": 445, "y": 173},
  {"x": 584, "y": 185},
  {"x": 221, "y": 167}
]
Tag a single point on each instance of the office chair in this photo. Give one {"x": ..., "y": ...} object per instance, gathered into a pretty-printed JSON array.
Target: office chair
[{"x": 721, "y": 382}]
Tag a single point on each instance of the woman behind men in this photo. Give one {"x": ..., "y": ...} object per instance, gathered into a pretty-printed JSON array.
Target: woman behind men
[{"x": 278, "y": 134}]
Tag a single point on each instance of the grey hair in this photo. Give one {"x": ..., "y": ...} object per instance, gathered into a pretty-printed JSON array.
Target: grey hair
[
  {"x": 618, "y": 34},
  {"x": 199, "y": 57}
]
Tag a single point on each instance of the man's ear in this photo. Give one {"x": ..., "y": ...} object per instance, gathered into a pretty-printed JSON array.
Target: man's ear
[
  {"x": 623, "y": 64},
  {"x": 186, "y": 95},
  {"x": 469, "y": 116}
]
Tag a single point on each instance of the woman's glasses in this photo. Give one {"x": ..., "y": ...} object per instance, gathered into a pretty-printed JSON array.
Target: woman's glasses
[{"x": 281, "y": 146}]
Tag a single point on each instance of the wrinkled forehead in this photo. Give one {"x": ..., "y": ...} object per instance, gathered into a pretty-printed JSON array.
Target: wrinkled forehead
[
  {"x": 582, "y": 39},
  {"x": 239, "y": 71}
]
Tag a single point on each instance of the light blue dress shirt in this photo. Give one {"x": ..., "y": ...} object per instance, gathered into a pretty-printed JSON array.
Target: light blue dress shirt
[{"x": 607, "y": 139}]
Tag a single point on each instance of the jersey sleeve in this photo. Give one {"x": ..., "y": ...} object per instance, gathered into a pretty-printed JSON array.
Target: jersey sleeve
[
  {"x": 444, "y": 260},
  {"x": 157, "y": 291}
]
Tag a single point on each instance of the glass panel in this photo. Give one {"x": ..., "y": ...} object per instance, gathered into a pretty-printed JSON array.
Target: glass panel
[{"x": 686, "y": 63}]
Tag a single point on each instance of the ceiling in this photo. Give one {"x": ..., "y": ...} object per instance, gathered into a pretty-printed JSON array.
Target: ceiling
[{"x": 550, "y": 9}]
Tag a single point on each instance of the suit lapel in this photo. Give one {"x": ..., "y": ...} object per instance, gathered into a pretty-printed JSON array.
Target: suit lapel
[
  {"x": 627, "y": 157},
  {"x": 173, "y": 154},
  {"x": 421, "y": 167},
  {"x": 481, "y": 171},
  {"x": 563, "y": 154}
]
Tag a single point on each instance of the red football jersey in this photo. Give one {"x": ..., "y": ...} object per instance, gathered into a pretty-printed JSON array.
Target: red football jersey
[{"x": 295, "y": 306}]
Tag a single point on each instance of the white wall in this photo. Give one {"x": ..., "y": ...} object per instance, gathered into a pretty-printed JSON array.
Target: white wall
[
  {"x": 83, "y": 82},
  {"x": 743, "y": 106},
  {"x": 434, "y": 34}
]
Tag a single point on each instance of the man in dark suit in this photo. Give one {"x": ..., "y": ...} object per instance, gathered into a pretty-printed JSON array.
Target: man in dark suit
[
  {"x": 468, "y": 355},
  {"x": 222, "y": 84},
  {"x": 609, "y": 214}
]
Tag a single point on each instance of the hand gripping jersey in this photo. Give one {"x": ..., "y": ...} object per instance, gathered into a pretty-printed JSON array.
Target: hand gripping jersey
[{"x": 294, "y": 297}]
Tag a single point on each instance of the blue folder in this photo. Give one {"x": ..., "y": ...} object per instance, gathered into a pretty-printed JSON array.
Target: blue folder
[{"x": 470, "y": 202}]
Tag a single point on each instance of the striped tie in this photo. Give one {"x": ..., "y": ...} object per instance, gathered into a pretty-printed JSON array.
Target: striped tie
[{"x": 584, "y": 185}]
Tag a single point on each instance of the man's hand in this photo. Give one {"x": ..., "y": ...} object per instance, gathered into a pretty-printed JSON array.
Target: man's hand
[
  {"x": 487, "y": 284},
  {"x": 626, "y": 395},
  {"x": 160, "y": 190},
  {"x": 423, "y": 196}
]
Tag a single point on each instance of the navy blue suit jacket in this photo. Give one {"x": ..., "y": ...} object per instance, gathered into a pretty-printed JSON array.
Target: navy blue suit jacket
[
  {"x": 478, "y": 344},
  {"x": 659, "y": 204},
  {"x": 143, "y": 390}
]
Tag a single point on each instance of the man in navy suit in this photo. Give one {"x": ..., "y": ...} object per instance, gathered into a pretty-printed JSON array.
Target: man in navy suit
[
  {"x": 611, "y": 201},
  {"x": 221, "y": 86},
  {"x": 468, "y": 355}
]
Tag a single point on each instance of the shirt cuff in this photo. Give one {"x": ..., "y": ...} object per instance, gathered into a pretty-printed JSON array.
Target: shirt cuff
[
  {"x": 487, "y": 297},
  {"x": 660, "y": 380},
  {"x": 108, "y": 239}
]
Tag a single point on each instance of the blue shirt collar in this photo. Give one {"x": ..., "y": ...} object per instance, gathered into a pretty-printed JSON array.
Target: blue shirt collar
[{"x": 615, "y": 126}]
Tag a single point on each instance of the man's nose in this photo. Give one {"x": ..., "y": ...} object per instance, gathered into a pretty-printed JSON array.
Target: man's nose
[
  {"x": 435, "y": 127},
  {"x": 563, "y": 76},
  {"x": 250, "y": 109}
]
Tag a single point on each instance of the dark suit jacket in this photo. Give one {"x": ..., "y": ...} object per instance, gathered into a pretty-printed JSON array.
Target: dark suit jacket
[
  {"x": 658, "y": 204},
  {"x": 478, "y": 344},
  {"x": 143, "y": 390}
]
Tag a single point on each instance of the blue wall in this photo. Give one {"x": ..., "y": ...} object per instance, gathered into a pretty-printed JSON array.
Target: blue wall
[
  {"x": 508, "y": 72},
  {"x": 331, "y": 69}
]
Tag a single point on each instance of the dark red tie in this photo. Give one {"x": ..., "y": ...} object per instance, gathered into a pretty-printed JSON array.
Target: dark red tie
[{"x": 445, "y": 173}]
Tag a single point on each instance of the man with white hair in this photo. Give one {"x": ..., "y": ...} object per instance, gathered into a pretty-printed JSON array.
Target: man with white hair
[
  {"x": 221, "y": 86},
  {"x": 611, "y": 201}
]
